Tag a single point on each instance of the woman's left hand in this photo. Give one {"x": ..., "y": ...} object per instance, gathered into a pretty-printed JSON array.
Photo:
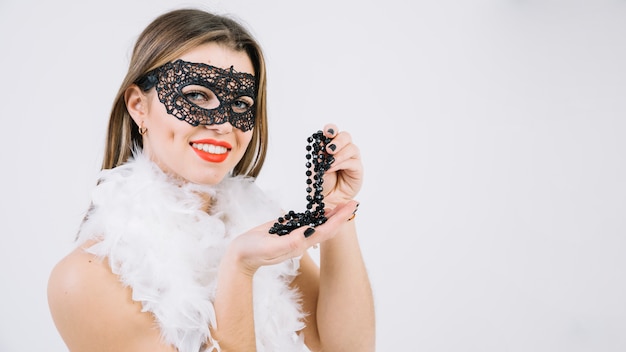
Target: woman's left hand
[{"x": 344, "y": 179}]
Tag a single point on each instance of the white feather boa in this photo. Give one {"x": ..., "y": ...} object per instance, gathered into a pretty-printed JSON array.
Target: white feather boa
[{"x": 160, "y": 242}]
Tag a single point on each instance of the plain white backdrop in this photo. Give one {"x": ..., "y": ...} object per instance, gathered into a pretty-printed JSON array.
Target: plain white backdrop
[{"x": 492, "y": 217}]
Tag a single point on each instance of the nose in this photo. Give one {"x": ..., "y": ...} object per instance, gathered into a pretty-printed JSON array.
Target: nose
[{"x": 222, "y": 128}]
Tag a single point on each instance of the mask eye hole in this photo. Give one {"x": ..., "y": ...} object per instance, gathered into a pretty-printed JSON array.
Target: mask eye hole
[
  {"x": 242, "y": 104},
  {"x": 201, "y": 96}
]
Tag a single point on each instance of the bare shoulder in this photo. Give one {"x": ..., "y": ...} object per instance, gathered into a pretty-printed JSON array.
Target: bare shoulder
[{"x": 93, "y": 311}]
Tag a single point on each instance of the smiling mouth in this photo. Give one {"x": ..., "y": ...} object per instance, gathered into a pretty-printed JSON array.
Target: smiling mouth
[{"x": 210, "y": 148}]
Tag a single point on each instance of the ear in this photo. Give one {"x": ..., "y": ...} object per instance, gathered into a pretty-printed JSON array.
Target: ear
[{"x": 136, "y": 103}]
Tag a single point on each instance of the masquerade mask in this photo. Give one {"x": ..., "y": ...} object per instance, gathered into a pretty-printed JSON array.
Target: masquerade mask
[{"x": 234, "y": 90}]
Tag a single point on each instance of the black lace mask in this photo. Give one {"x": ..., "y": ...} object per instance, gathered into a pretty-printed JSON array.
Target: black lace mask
[{"x": 228, "y": 85}]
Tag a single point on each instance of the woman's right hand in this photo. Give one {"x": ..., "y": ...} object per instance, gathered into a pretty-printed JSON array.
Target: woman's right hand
[{"x": 257, "y": 247}]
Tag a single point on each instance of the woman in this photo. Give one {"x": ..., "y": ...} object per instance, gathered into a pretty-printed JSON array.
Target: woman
[{"x": 175, "y": 252}]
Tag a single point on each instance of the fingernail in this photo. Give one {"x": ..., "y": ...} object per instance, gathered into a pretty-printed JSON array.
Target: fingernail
[
  {"x": 332, "y": 147},
  {"x": 331, "y": 131},
  {"x": 308, "y": 232},
  {"x": 354, "y": 212}
]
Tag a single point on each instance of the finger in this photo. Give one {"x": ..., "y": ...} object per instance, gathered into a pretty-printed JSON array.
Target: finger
[
  {"x": 342, "y": 210},
  {"x": 330, "y": 130},
  {"x": 349, "y": 153},
  {"x": 340, "y": 141},
  {"x": 335, "y": 219},
  {"x": 347, "y": 167}
]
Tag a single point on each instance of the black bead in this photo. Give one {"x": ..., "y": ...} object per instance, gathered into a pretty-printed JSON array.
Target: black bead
[{"x": 318, "y": 162}]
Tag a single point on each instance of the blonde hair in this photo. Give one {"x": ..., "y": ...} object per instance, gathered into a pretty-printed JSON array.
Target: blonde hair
[{"x": 167, "y": 38}]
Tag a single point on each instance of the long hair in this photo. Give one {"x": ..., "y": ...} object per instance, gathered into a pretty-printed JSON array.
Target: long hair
[{"x": 167, "y": 38}]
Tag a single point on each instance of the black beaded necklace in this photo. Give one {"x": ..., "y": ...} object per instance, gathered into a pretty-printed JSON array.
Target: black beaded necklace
[{"x": 318, "y": 162}]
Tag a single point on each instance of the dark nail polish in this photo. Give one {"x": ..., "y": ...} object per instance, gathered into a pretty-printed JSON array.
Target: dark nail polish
[
  {"x": 331, "y": 131},
  {"x": 308, "y": 232},
  {"x": 332, "y": 147}
]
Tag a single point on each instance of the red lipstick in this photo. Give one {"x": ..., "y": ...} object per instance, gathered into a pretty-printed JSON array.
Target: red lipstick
[{"x": 208, "y": 156}]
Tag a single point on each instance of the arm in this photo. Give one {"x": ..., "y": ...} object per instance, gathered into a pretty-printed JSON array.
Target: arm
[
  {"x": 94, "y": 312},
  {"x": 234, "y": 306},
  {"x": 247, "y": 253},
  {"x": 338, "y": 295},
  {"x": 345, "y": 304}
]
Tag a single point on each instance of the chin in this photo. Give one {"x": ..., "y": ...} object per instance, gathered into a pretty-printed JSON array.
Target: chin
[{"x": 209, "y": 180}]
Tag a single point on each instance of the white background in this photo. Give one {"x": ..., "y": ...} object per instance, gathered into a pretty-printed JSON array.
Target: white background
[{"x": 492, "y": 132}]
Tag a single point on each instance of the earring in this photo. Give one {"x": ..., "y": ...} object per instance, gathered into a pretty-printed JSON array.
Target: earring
[{"x": 142, "y": 130}]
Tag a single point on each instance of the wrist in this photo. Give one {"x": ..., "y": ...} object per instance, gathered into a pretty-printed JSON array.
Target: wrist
[{"x": 234, "y": 263}]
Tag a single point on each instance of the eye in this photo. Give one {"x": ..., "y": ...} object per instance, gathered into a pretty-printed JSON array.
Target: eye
[
  {"x": 202, "y": 97},
  {"x": 242, "y": 104},
  {"x": 197, "y": 97}
]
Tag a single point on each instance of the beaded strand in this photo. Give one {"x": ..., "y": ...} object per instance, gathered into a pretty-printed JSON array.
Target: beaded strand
[{"x": 318, "y": 162}]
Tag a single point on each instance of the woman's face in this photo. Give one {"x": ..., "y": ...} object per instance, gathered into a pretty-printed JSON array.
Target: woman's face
[{"x": 205, "y": 153}]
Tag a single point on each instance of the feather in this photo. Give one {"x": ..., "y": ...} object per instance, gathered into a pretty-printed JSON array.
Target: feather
[{"x": 166, "y": 248}]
